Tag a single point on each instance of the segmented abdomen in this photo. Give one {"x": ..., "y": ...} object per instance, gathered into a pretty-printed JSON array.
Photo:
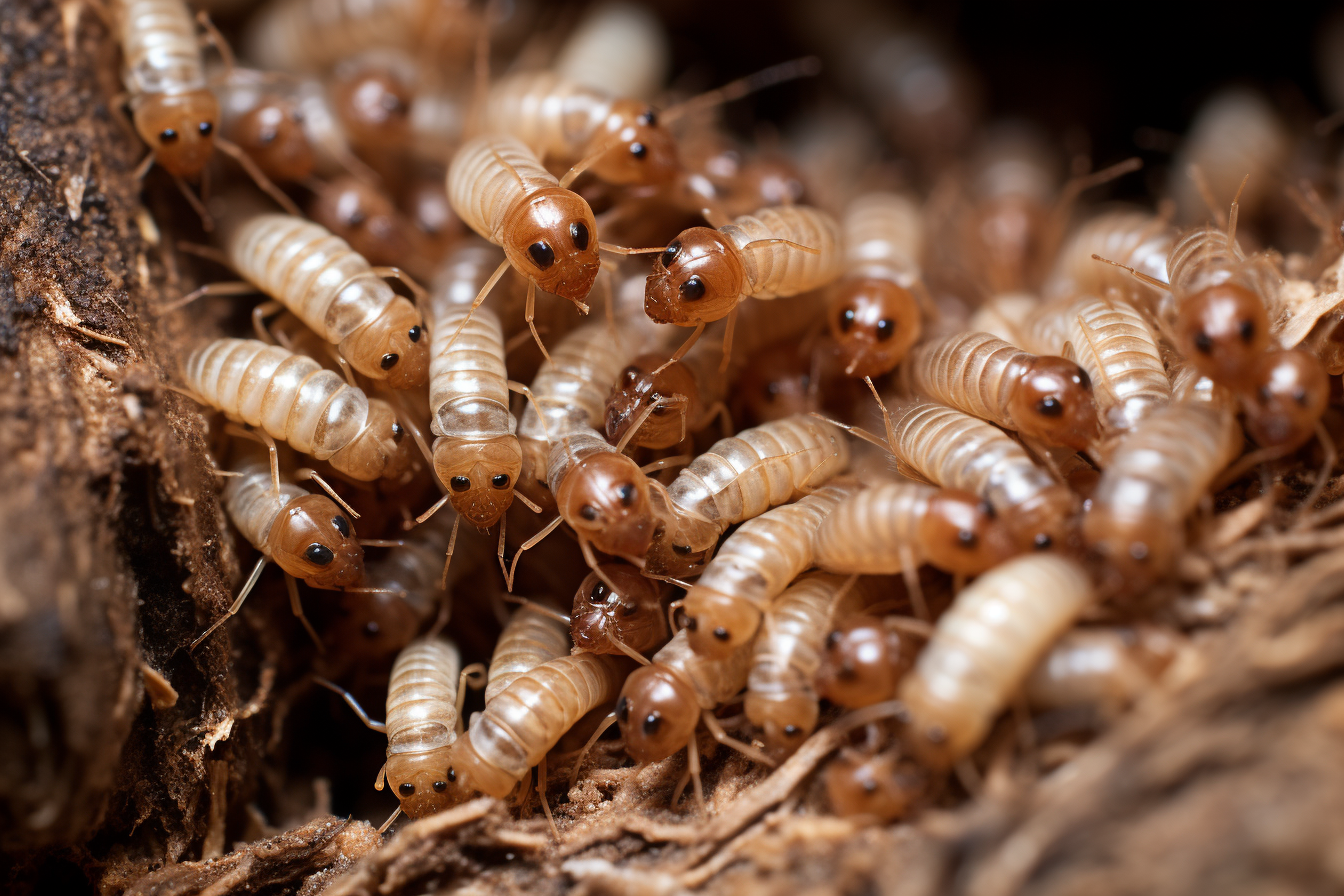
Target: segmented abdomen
[
  {"x": 865, "y": 532},
  {"x": 883, "y": 236},
  {"x": 160, "y": 53},
  {"x": 252, "y": 502},
  {"x": 778, "y": 269},
  {"x": 422, "y": 696},
  {"x": 488, "y": 176},
  {"x": 973, "y": 372},
  {"x": 530, "y": 639},
  {"x": 1137, "y": 239},
  {"x": 555, "y": 117}
]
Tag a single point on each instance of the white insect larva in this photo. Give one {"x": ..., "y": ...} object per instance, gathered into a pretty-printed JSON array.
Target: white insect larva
[
  {"x": 477, "y": 456},
  {"x": 955, "y": 450},
  {"x": 619, "y": 48},
  {"x": 1133, "y": 238},
  {"x": 1005, "y": 316},
  {"x": 756, "y": 563},
  {"x": 334, "y": 291},
  {"x": 1104, "y": 669},
  {"x": 739, "y": 478},
  {"x": 1154, "y": 479},
  {"x": 704, "y": 274},
  {"x": 294, "y": 399},
  {"x": 530, "y": 639},
  {"x": 422, "y": 723},
  {"x": 984, "y": 647},
  {"x": 1044, "y": 397}
]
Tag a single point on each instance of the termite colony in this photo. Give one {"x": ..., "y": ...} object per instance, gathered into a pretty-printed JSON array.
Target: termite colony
[{"x": 907, "y": 438}]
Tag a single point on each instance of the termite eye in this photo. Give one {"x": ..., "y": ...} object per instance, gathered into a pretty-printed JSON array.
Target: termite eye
[
  {"x": 832, "y": 639},
  {"x": 987, "y": 509},
  {"x": 267, "y": 137},
  {"x": 966, "y": 538},
  {"x": 1203, "y": 343},
  {"x": 588, "y": 512},
  {"x": 670, "y": 254},
  {"x": 692, "y": 623},
  {"x": 721, "y": 633},
  {"x": 681, "y": 550},
  {"x": 1138, "y": 551},
  {"x": 407, "y": 789},
  {"x": 452, "y": 776},
  {"x": 626, "y": 492},
  {"x": 886, "y": 328},
  {"x": 649, "y": 117},
  {"x": 372, "y": 630},
  {"x": 638, "y": 150},
  {"x": 342, "y": 525},
  {"x": 1300, "y": 396},
  {"x": 440, "y": 786},
  {"x": 847, "y": 318},
  {"x": 869, "y": 786},
  {"x": 500, "y": 480},
  {"x": 459, "y": 483},
  {"x": 542, "y": 254},
  {"x": 599, "y": 593},
  {"x": 1083, "y": 379},
  {"x": 578, "y": 232},
  {"x": 319, "y": 554},
  {"x": 389, "y": 360},
  {"x": 167, "y": 135},
  {"x": 693, "y": 289},
  {"x": 792, "y": 731},
  {"x": 1043, "y": 541},
  {"x": 1247, "y": 331},
  {"x": 623, "y": 710},
  {"x": 206, "y": 128},
  {"x": 1049, "y": 406},
  {"x": 652, "y": 722},
  {"x": 397, "y": 432},
  {"x": 414, "y": 333},
  {"x": 356, "y": 218}
]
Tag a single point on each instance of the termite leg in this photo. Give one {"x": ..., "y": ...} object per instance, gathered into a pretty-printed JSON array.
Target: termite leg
[
  {"x": 398, "y": 274},
  {"x": 538, "y": 608},
  {"x": 693, "y": 767},
  {"x": 628, "y": 650},
  {"x": 297, "y": 608},
  {"x": 530, "y": 543},
  {"x": 545, "y": 803},
  {"x": 530, "y": 313},
  {"x": 472, "y": 676},
  {"x": 910, "y": 572},
  {"x": 237, "y": 602},
  {"x": 350, "y": 701},
  {"x": 259, "y": 315},
  {"x": 228, "y": 288},
  {"x": 313, "y": 475},
  {"x": 452, "y": 543},
  {"x": 728, "y": 340},
  {"x": 716, "y": 731}
]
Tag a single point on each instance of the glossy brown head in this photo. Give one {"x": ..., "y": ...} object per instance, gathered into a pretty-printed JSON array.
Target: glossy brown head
[
  {"x": 371, "y": 626},
  {"x": 392, "y": 348},
  {"x": 271, "y": 132},
  {"x": 480, "y": 475},
  {"x": 380, "y": 450},
  {"x": 422, "y": 782},
  {"x": 1139, "y": 546},
  {"x": 961, "y": 534},
  {"x": 605, "y": 499},
  {"x": 682, "y": 545},
  {"x": 1221, "y": 330},
  {"x": 657, "y": 712},
  {"x": 551, "y": 238},
  {"x": 697, "y": 279},
  {"x": 673, "y": 394},
  {"x": 786, "y": 717},
  {"x": 641, "y": 151},
  {"x": 863, "y": 663},
  {"x": 1053, "y": 403},
  {"x": 366, "y": 219},
  {"x": 776, "y": 383},
  {"x": 879, "y": 786},
  {"x": 718, "y": 624},
  {"x": 312, "y": 539},
  {"x": 633, "y": 613},
  {"x": 180, "y": 129},
  {"x": 374, "y": 108},
  {"x": 1288, "y": 393},
  {"x": 874, "y": 322}
]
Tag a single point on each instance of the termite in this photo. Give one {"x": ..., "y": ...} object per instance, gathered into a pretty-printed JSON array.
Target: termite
[
  {"x": 955, "y": 450},
  {"x": 1137, "y": 239},
  {"x": 1103, "y": 669},
  {"x": 1288, "y": 392},
  {"x": 685, "y": 395},
  {"x": 873, "y": 312},
  {"x": 739, "y": 478},
  {"x": 618, "y": 48},
  {"x": 307, "y": 536},
  {"x": 1043, "y": 397},
  {"x": 530, "y": 638},
  {"x": 1235, "y": 133},
  {"x": 330, "y": 288},
  {"x": 268, "y": 126},
  {"x": 367, "y": 219},
  {"x": 984, "y": 647},
  {"x": 293, "y": 399},
  {"x": 865, "y": 658},
  {"x": 628, "y": 619},
  {"x": 725, "y": 606},
  {"x": 1154, "y": 478},
  {"x": 884, "y": 785}
]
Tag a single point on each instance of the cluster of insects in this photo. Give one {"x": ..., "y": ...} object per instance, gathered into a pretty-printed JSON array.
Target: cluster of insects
[{"x": 761, "y": 435}]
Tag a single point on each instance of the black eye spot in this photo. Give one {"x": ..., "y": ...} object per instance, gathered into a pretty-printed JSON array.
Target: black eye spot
[
  {"x": 623, "y": 710},
  {"x": 459, "y": 483},
  {"x": 407, "y": 789},
  {"x": 721, "y": 633},
  {"x": 452, "y": 775},
  {"x": 987, "y": 509},
  {"x": 886, "y": 328},
  {"x": 652, "y": 722},
  {"x": 693, "y": 289},
  {"x": 342, "y": 525},
  {"x": 588, "y": 512},
  {"x": 967, "y": 539},
  {"x": 692, "y": 623},
  {"x": 389, "y": 360},
  {"x": 1247, "y": 331},
  {"x": 1203, "y": 344},
  {"x": 1083, "y": 379},
  {"x": 440, "y": 786},
  {"x": 167, "y": 135},
  {"x": 869, "y": 785},
  {"x": 578, "y": 232},
  {"x": 542, "y": 254},
  {"x": 670, "y": 254},
  {"x": 206, "y": 128},
  {"x": 356, "y": 217},
  {"x": 626, "y": 492},
  {"x": 792, "y": 731},
  {"x": 681, "y": 550},
  {"x": 267, "y": 137},
  {"x": 649, "y": 117},
  {"x": 414, "y": 333},
  {"x": 1043, "y": 541},
  {"x": 1138, "y": 551},
  {"x": 397, "y": 432},
  {"x": 372, "y": 630},
  {"x": 1049, "y": 406},
  {"x": 600, "y": 593},
  {"x": 319, "y": 554},
  {"x": 832, "y": 639},
  {"x": 638, "y": 150},
  {"x": 1300, "y": 396},
  {"x": 847, "y": 318},
  {"x": 500, "y": 480}
]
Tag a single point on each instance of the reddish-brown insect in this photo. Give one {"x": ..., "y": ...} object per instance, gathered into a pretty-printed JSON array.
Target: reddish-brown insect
[{"x": 627, "y": 620}]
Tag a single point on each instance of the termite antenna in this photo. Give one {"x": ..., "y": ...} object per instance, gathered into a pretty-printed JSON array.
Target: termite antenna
[
  {"x": 313, "y": 475},
  {"x": 1138, "y": 275},
  {"x": 258, "y": 176},
  {"x": 626, "y": 250},
  {"x": 804, "y": 67},
  {"x": 1233, "y": 214}
]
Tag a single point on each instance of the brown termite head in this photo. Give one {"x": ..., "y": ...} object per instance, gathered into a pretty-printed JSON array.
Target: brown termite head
[
  {"x": 1140, "y": 546},
  {"x": 480, "y": 475},
  {"x": 681, "y": 546},
  {"x": 365, "y": 218},
  {"x": 786, "y": 718},
  {"x": 372, "y": 625},
  {"x": 642, "y": 151},
  {"x": 374, "y": 107},
  {"x": 697, "y": 279},
  {"x": 1221, "y": 329},
  {"x": 380, "y": 450},
  {"x": 637, "y": 388},
  {"x": 1044, "y": 522},
  {"x": 312, "y": 539},
  {"x": 961, "y": 534},
  {"x": 392, "y": 348},
  {"x": 863, "y": 663},
  {"x": 422, "y": 781},
  {"x": 878, "y": 786},
  {"x": 551, "y": 238},
  {"x": 1053, "y": 402},
  {"x": 1288, "y": 393},
  {"x": 776, "y": 384},
  {"x": 605, "y": 499},
  {"x": 875, "y": 322},
  {"x": 633, "y": 613},
  {"x": 657, "y": 712},
  {"x": 272, "y": 133},
  {"x": 180, "y": 129},
  {"x": 718, "y": 624}
]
